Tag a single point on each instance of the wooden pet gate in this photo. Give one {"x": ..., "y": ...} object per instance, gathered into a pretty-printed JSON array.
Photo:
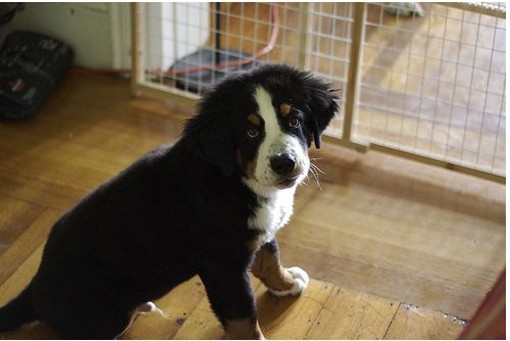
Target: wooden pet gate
[{"x": 426, "y": 82}]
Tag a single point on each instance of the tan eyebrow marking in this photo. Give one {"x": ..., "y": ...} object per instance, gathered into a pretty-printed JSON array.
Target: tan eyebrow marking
[
  {"x": 285, "y": 109},
  {"x": 254, "y": 119}
]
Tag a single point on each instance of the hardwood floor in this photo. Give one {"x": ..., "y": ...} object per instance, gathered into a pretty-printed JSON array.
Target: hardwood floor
[{"x": 396, "y": 249}]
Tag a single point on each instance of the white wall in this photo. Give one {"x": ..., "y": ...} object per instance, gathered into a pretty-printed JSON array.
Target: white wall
[{"x": 99, "y": 33}]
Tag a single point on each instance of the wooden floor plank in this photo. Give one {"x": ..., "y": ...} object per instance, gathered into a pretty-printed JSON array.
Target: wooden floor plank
[
  {"x": 29, "y": 241},
  {"x": 16, "y": 218},
  {"x": 349, "y": 314},
  {"x": 21, "y": 277},
  {"x": 291, "y": 317},
  {"x": 36, "y": 191},
  {"x": 177, "y": 307},
  {"x": 62, "y": 173},
  {"x": 386, "y": 282},
  {"x": 416, "y": 323},
  {"x": 378, "y": 230},
  {"x": 201, "y": 324},
  {"x": 66, "y": 150},
  {"x": 412, "y": 181}
]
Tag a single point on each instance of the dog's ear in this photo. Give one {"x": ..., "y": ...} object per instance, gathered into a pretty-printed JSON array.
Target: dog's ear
[
  {"x": 323, "y": 106},
  {"x": 214, "y": 140},
  {"x": 216, "y": 145}
]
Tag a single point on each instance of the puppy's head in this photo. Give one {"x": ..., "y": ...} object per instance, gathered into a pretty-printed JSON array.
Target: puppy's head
[{"x": 261, "y": 123}]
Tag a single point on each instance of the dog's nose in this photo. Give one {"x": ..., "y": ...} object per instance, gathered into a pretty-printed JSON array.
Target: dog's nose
[{"x": 283, "y": 163}]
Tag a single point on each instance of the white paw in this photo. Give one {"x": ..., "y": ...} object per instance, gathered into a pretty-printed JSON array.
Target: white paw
[
  {"x": 301, "y": 280},
  {"x": 150, "y": 307},
  {"x": 147, "y": 307}
]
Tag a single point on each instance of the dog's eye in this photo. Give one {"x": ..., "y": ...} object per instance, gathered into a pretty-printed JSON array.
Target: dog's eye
[
  {"x": 294, "y": 122},
  {"x": 253, "y": 133}
]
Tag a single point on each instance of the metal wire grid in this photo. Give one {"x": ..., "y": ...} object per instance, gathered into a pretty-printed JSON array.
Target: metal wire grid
[
  {"x": 435, "y": 85},
  {"x": 328, "y": 49},
  {"x": 169, "y": 31},
  {"x": 245, "y": 33},
  {"x": 431, "y": 85},
  {"x": 249, "y": 27}
]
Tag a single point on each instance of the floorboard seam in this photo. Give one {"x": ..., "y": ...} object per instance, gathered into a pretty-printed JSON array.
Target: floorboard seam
[
  {"x": 391, "y": 322},
  {"x": 318, "y": 313}
]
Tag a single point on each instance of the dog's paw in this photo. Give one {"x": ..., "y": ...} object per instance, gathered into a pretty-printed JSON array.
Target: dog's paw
[
  {"x": 300, "y": 278},
  {"x": 150, "y": 307}
]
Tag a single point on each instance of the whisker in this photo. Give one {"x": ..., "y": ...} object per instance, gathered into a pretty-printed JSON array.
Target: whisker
[
  {"x": 314, "y": 170},
  {"x": 318, "y": 183},
  {"x": 317, "y": 168}
]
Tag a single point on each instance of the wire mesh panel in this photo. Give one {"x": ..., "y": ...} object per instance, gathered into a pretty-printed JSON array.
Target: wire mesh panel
[
  {"x": 191, "y": 46},
  {"x": 428, "y": 80},
  {"x": 329, "y": 47},
  {"x": 434, "y": 84},
  {"x": 186, "y": 47}
]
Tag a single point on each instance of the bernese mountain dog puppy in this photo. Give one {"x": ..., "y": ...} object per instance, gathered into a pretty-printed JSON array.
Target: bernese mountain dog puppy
[{"x": 210, "y": 204}]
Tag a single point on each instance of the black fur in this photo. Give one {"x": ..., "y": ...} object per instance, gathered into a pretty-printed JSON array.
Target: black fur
[{"x": 178, "y": 211}]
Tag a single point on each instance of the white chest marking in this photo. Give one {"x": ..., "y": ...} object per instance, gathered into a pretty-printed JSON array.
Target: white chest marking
[{"x": 273, "y": 213}]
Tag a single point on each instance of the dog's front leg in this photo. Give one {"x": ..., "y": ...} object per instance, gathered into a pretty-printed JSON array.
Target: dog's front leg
[
  {"x": 232, "y": 300},
  {"x": 279, "y": 280}
]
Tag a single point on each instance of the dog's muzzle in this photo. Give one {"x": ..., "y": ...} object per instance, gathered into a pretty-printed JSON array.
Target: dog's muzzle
[
  {"x": 286, "y": 167},
  {"x": 283, "y": 164}
]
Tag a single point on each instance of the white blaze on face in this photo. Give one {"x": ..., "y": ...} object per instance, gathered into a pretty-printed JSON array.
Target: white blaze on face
[{"x": 275, "y": 142}]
